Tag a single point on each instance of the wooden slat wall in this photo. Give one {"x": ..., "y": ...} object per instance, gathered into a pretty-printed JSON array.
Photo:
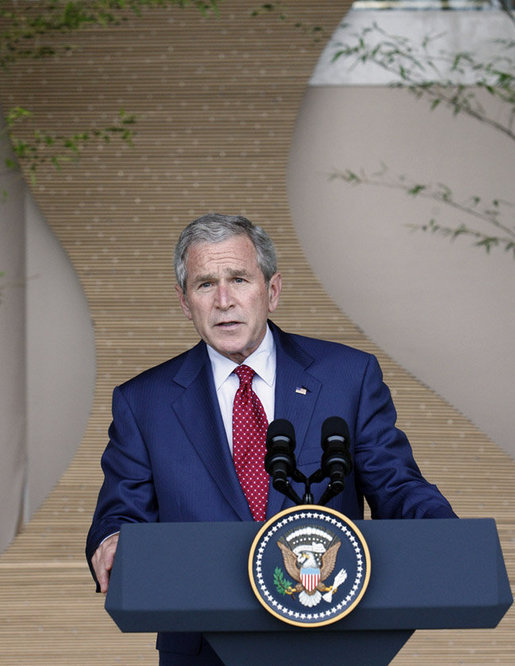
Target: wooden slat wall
[{"x": 216, "y": 101}]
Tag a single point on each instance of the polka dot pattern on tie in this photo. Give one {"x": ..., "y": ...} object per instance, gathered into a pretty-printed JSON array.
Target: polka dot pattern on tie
[{"x": 249, "y": 426}]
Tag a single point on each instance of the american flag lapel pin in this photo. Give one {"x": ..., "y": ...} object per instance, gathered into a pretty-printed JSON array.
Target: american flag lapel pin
[{"x": 301, "y": 389}]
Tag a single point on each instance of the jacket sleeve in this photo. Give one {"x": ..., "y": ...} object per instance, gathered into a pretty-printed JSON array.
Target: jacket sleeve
[
  {"x": 387, "y": 472},
  {"x": 127, "y": 493}
]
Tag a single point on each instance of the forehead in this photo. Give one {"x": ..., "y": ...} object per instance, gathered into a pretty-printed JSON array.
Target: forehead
[{"x": 235, "y": 252}]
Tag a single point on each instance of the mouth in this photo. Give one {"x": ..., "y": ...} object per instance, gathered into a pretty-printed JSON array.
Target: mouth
[{"x": 227, "y": 324}]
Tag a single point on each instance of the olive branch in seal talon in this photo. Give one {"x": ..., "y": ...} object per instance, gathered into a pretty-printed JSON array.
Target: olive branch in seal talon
[{"x": 282, "y": 584}]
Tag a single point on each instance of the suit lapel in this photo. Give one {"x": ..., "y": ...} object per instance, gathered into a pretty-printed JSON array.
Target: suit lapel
[
  {"x": 197, "y": 409},
  {"x": 296, "y": 395}
]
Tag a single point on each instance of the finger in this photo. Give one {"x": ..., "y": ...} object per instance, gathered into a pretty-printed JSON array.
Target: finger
[
  {"x": 103, "y": 581},
  {"x": 100, "y": 571},
  {"x": 103, "y": 560}
]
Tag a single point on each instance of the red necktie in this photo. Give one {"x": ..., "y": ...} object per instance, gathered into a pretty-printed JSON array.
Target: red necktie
[{"x": 249, "y": 425}]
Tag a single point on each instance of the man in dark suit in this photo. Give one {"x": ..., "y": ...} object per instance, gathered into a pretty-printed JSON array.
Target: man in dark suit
[{"x": 169, "y": 457}]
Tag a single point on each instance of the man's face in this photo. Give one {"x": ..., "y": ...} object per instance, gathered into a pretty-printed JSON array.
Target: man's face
[{"x": 226, "y": 296}]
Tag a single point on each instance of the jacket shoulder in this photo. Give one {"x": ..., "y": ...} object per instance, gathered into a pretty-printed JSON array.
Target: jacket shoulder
[{"x": 326, "y": 351}]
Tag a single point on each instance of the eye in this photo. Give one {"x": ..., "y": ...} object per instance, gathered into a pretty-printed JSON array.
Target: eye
[{"x": 239, "y": 280}]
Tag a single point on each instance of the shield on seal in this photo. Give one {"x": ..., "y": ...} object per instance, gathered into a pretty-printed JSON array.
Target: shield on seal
[{"x": 309, "y": 577}]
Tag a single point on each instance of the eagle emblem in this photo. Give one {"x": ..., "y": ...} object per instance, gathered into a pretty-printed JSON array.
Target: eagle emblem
[
  {"x": 295, "y": 565},
  {"x": 309, "y": 556}
]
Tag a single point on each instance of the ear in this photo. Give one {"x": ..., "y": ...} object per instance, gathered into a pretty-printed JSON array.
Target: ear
[
  {"x": 274, "y": 291},
  {"x": 183, "y": 302}
]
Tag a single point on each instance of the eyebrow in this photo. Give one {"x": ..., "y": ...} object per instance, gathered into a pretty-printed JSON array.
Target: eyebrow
[
  {"x": 210, "y": 277},
  {"x": 242, "y": 271}
]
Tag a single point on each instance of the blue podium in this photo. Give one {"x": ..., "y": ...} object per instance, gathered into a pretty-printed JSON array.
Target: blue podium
[{"x": 425, "y": 574}]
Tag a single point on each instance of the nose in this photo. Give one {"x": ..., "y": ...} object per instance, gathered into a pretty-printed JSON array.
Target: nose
[{"x": 224, "y": 298}]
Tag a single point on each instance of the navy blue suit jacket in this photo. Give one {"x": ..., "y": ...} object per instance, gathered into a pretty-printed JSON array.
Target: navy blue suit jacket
[{"x": 168, "y": 457}]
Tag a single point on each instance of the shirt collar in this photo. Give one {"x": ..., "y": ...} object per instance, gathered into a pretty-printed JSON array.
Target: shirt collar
[{"x": 262, "y": 361}]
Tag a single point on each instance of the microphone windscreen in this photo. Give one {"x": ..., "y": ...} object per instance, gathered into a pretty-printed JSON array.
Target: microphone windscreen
[
  {"x": 335, "y": 425},
  {"x": 280, "y": 427}
]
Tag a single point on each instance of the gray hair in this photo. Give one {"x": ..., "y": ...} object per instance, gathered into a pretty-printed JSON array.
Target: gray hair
[{"x": 215, "y": 228}]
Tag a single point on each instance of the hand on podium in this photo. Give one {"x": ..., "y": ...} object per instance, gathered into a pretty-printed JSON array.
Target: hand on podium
[{"x": 103, "y": 560}]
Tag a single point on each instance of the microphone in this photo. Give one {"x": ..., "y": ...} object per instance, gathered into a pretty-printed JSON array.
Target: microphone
[
  {"x": 336, "y": 459},
  {"x": 280, "y": 444},
  {"x": 280, "y": 458}
]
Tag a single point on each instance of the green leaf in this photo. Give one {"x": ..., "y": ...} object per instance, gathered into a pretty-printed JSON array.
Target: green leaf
[
  {"x": 281, "y": 583},
  {"x": 416, "y": 189}
]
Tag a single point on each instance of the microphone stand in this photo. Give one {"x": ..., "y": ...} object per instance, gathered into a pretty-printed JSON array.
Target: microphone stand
[{"x": 283, "y": 486}]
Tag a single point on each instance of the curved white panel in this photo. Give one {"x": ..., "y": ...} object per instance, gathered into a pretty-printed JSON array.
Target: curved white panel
[
  {"x": 60, "y": 359},
  {"x": 444, "y": 310},
  {"x": 451, "y": 31}
]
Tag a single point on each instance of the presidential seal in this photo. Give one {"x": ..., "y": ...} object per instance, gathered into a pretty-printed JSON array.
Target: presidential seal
[{"x": 309, "y": 566}]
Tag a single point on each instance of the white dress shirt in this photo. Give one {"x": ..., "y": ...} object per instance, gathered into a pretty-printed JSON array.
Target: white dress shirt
[{"x": 263, "y": 362}]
